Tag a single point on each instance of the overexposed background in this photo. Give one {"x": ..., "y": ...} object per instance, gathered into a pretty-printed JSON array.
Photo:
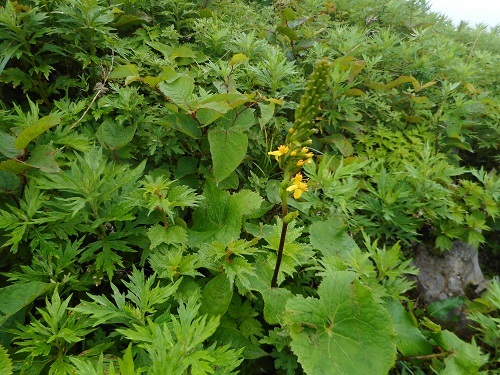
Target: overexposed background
[{"x": 473, "y": 11}]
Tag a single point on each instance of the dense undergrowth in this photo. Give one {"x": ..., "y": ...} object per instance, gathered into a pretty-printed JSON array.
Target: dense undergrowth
[{"x": 217, "y": 187}]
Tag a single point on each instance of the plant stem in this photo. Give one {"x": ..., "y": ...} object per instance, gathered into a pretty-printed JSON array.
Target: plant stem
[
  {"x": 424, "y": 357},
  {"x": 274, "y": 280},
  {"x": 284, "y": 211}
]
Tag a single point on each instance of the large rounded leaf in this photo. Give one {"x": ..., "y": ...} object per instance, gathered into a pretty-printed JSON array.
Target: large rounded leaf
[{"x": 344, "y": 332}]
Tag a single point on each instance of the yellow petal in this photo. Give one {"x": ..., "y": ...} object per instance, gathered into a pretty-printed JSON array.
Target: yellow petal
[
  {"x": 297, "y": 193},
  {"x": 297, "y": 178}
]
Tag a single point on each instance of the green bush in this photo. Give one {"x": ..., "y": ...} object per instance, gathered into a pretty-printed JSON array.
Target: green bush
[{"x": 220, "y": 187}]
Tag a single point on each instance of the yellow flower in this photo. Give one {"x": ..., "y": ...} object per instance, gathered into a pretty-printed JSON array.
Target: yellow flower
[
  {"x": 282, "y": 150},
  {"x": 300, "y": 163},
  {"x": 298, "y": 186},
  {"x": 304, "y": 150}
]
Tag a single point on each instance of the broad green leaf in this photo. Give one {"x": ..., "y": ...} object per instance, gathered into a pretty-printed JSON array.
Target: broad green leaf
[
  {"x": 5, "y": 362},
  {"x": 239, "y": 58},
  {"x": 158, "y": 234},
  {"x": 299, "y": 21},
  {"x": 13, "y": 298},
  {"x": 345, "y": 331},
  {"x": 42, "y": 157},
  {"x": 344, "y": 146},
  {"x": 266, "y": 113},
  {"x": 410, "y": 341},
  {"x": 182, "y": 122},
  {"x": 124, "y": 71},
  {"x": 228, "y": 149},
  {"x": 290, "y": 33},
  {"x": 8, "y": 182},
  {"x": 287, "y": 15},
  {"x": 216, "y": 296},
  {"x": 464, "y": 358},
  {"x": 125, "y": 21},
  {"x": 207, "y": 116},
  {"x": 182, "y": 51},
  {"x": 274, "y": 304},
  {"x": 179, "y": 91},
  {"x": 330, "y": 238},
  {"x": 167, "y": 74},
  {"x": 354, "y": 92},
  {"x": 231, "y": 100},
  {"x": 238, "y": 119},
  {"x": 230, "y": 182},
  {"x": 160, "y": 47},
  {"x": 114, "y": 135},
  {"x": 7, "y": 147},
  {"x": 215, "y": 106},
  {"x": 219, "y": 215},
  {"x": 33, "y": 131},
  {"x": 186, "y": 165},
  {"x": 443, "y": 309}
]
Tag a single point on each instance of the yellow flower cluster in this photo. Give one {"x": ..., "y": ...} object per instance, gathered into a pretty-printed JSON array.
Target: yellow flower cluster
[
  {"x": 282, "y": 150},
  {"x": 298, "y": 186},
  {"x": 304, "y": 155}
]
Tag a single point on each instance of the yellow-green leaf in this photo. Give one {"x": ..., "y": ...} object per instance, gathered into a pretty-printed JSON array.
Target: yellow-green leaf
[
  {"x": 33, "y": 131},
  {"x": 239, "y": 58}
]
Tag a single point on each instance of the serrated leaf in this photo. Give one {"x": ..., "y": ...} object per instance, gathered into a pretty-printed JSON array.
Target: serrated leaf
[
  {"x": 330, "y": 238},
  {"x": 33, "y": 131},
  {"x": 219, "y": 216},
  {"x": 5, "y": 362},
  {"x": 158, "y": 234},
  {"x": 13, "y": 298},
  {"x": 179, "y": 91},
  {"x": 127, "y": 363},
  {"x": 274, "y": 304},
  {"x": 231, "y": 336},
  {"x": 216, "y": 296},
  {"x": 464, "y": 358},
  {"x": 410, "y": 341},
  {"x": 228, "y": 149},
  {"x": 114, "y": 135},
  {"x": 331, "y": 334}
]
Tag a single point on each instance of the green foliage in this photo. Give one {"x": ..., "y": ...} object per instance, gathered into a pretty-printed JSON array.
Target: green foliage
[
  {"x": 344, "y": 323},
  {"x": 5, "y": 361},
  {"x": 221, "y": 187}
]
